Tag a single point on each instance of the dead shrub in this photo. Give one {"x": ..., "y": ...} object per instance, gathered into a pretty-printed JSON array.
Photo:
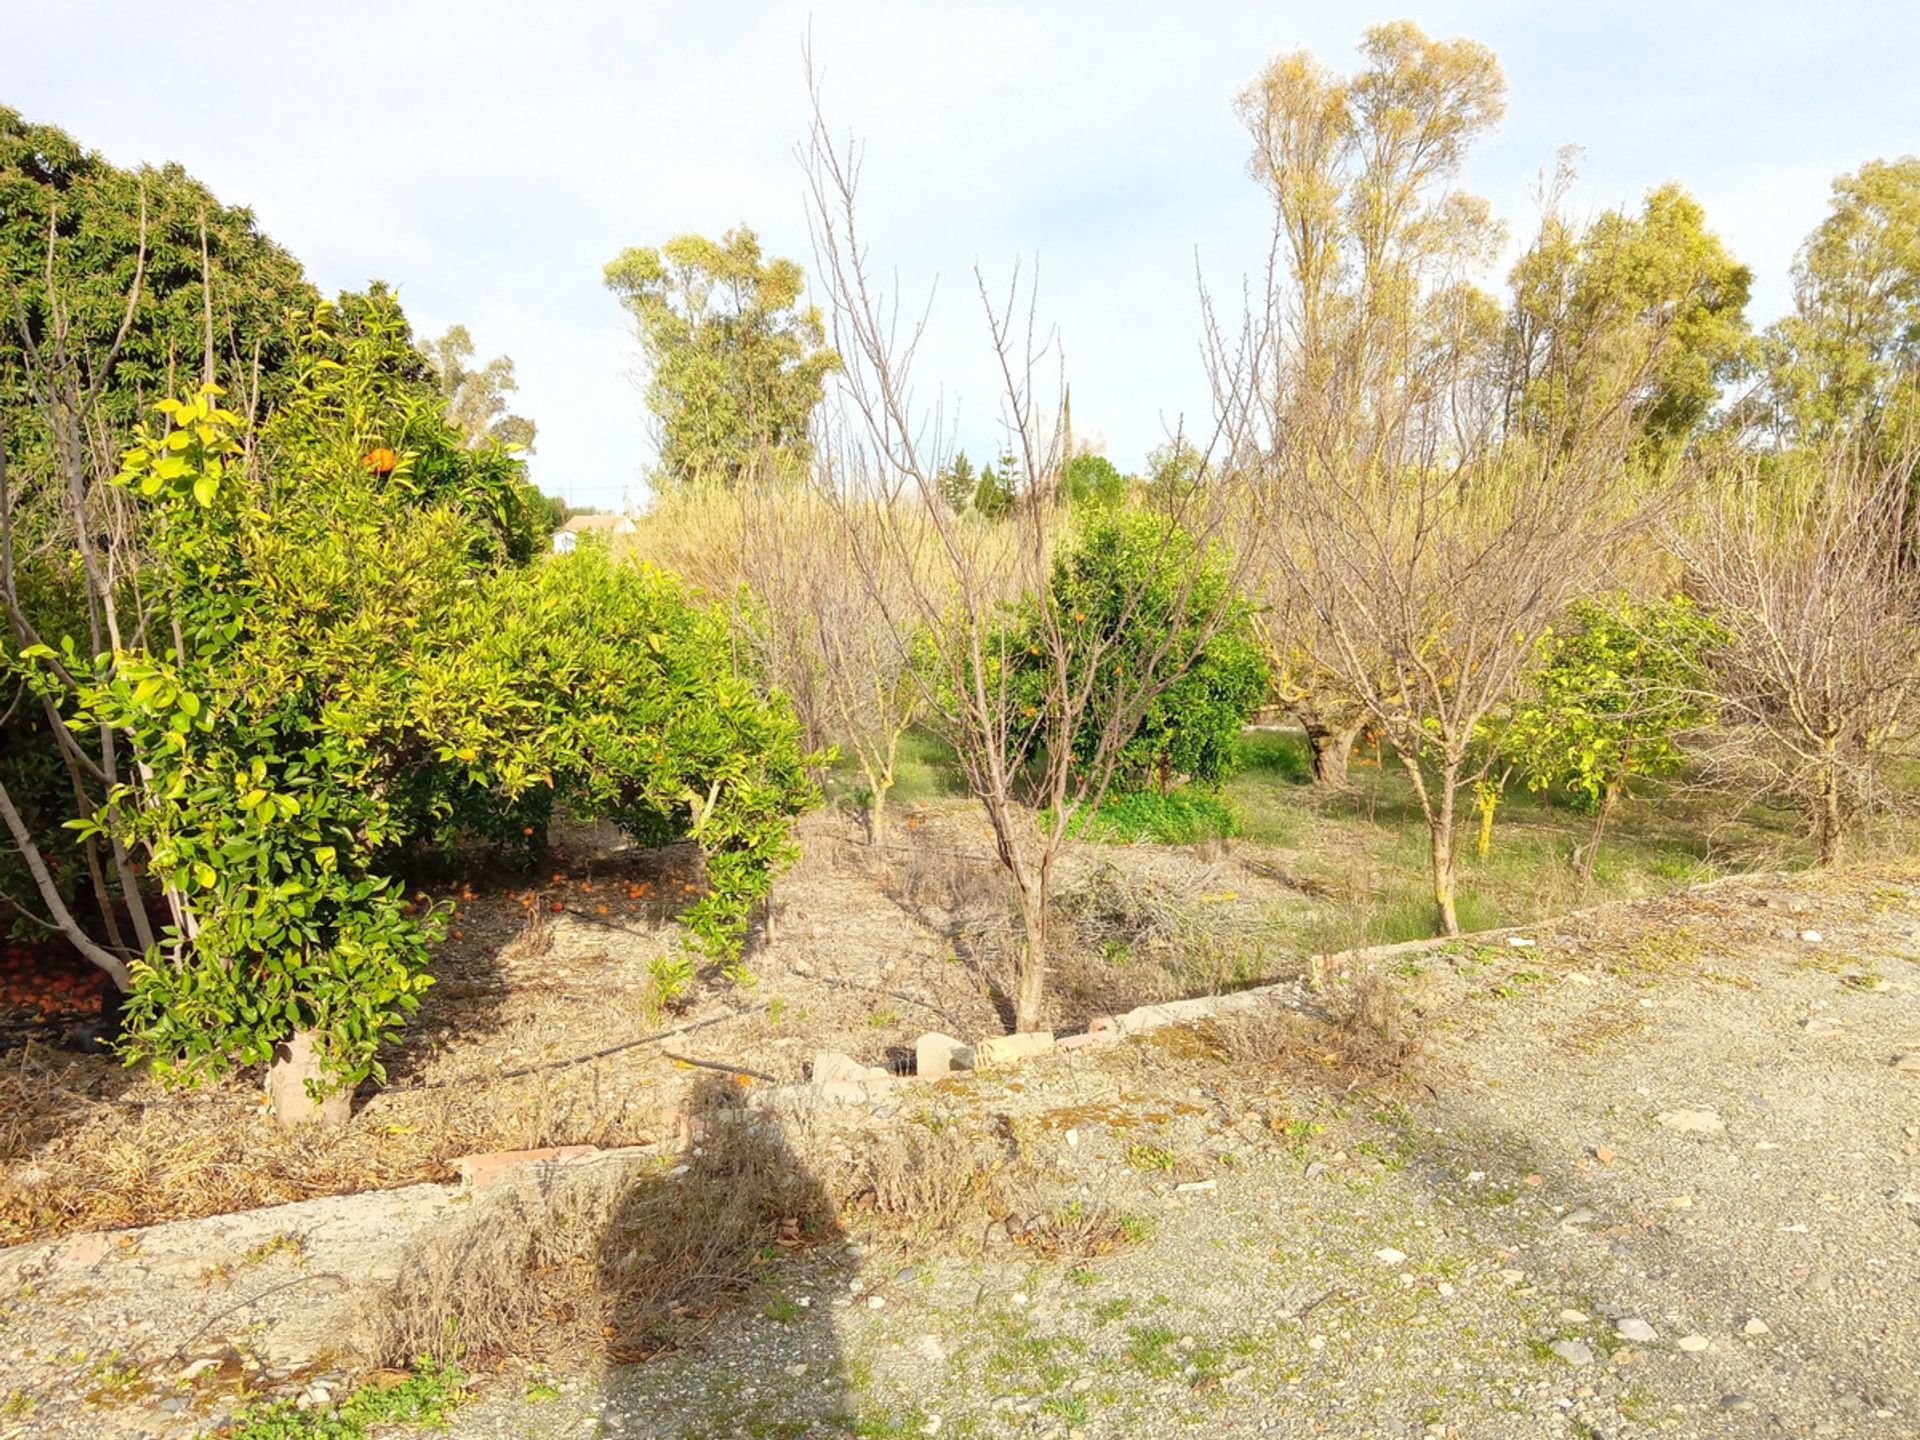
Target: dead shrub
[
  {"x": 924, "y": 1182},
  {"x": 1079, "y": 1230},
  {"x": 1367, "y": 1038},
  {"x": 535, "y": 937},
  {"x": 627, "y": 1264}
]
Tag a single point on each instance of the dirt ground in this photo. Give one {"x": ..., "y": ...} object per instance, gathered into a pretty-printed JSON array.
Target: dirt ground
[
  {"x": 534, "y": 1033},
  {"x": 1655, "y": 1172}
]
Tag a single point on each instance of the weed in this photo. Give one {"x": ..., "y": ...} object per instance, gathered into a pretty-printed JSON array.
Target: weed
[
  {"x": 1154, "y": 1350},
  {"x": 1143, "y": 1156},
  {"x": 425, "y": 1397},
  {"x": 1182, "y": 816}
]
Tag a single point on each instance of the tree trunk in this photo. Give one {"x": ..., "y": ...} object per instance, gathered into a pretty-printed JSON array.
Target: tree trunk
[
  {"x": 1332, "y": 753},
  {"x": 296, "y": 1061},
  {"x": 877, "y": 810},
  {"x": 1442, "y": 828},
  {"x": 112, "y": 965},
  {"x": 1827, "y": 820},
  {"x": 1608, "y": 800},
  {"x": 1030, "y": 988}
]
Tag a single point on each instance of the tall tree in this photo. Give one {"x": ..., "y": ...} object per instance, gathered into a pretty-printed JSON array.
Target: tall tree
[
  {"x": 1850, "y": 352},
  {"x": 737, "y": 362},
  {"x": 477, "y": 396},
  {"x": 211, "y": 285},
  {"x": 1661, "y": 270},
  {"x": 1420, "y": 541}
]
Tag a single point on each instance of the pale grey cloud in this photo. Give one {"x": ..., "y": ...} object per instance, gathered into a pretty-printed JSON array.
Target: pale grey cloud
[{"x": 489, "y": 158}]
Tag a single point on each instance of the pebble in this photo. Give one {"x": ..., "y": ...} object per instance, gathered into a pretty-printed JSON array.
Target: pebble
[
  {"x": 1812, "y": 937},
  {"x": 1636, "y": 1330},
  {"x": 1756, "y": 1326},
  {"x": 1693, "y": 1344},
  {"x": 1573, "y": 1317},
  {"x": 1574, "y": 1352},
  {"x": 1390, "y": 1256}
]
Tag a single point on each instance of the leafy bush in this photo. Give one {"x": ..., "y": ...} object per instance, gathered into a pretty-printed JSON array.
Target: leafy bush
[
  {"x": 357, "y": 661},
  {"x": 1178, "y": 817},
  {"x": 645, "y": 721},
  {"x": 1613, "y": 690},
  {"x": 1133, "y": 593}
]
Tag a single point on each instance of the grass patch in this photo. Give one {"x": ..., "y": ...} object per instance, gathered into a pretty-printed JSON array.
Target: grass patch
[
  {"x": 1276, "y": 755},
  {"x": 425, "y": 1397},
  {"x": 1182, "y": 816}
]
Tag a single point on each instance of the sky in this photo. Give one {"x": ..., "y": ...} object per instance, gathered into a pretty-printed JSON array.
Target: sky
[{"x": 489, "y": 158}]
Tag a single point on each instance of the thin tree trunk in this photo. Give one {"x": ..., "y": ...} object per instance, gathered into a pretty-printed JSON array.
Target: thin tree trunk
[
  {"x": 1827, "y": 823},
  {"x": 877, "y": 791},
  {"x": 1608, "y": 800},
  {"x": 1030, "y": 988},
  {"x": 1443, "y": 870},
  {"x": 113, "y": 966}
]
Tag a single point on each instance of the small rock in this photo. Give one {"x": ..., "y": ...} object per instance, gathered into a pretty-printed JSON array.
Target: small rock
[
  {"x": 1756, "y": 1326},
  {"x": 1390, "y": 1256},
  {"x": 935, "y": 1055},
  {"x": 1693, "y": 1344},
  {"x": 1196, "y": 1187},
  {"x": 1605, "y": 1154},
  {"x": 1005, "y": 1050},
  {"x": 1573, "y": 1317},
  {"x": 1574, "y": 1352},
  {"x": 1692, "y": 1122},
  {"x": 1812, "y": 937},
  {"x": 832, "y": 1068},
  {"x": 1638, "y": 1331},
  {"x": 1909, "y": 1063},
  {"x": 876, "y": 1302}
]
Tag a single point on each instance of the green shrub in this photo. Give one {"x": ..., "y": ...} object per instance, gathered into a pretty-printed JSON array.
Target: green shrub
[
  {"x": 1178, "y": 817},
  {"x": 1132, "y": 594},
  {"x": 358, "y": 661}
]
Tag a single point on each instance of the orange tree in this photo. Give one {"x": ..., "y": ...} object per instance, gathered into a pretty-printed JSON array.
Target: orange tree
[{"x": 344, "y": 651}]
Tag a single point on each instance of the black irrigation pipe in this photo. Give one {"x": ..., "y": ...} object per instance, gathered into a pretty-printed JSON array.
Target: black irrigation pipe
[
  {"x": 182, "y": 1101},
  {"x": 593, "y": 1055},
  {"x": 722, "y": 1066}
]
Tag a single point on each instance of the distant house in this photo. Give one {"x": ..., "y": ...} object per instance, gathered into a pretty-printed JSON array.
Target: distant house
[{"x": 568, "y": 535}]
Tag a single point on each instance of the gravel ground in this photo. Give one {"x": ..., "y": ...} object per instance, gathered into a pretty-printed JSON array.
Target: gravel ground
[
  {"x": 1664, "y": 1181},
  {"x": 1658, "y": 1173}
]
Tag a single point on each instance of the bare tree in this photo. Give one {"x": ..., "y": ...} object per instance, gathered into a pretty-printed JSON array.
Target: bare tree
[
  {"x": 958, "y": 592},
  {"x": 1422, "y": 528},
  {"x": 824, "y": 632},
  {"x": 1801, "y": 560},
  {"x": 71, "y": 512}
]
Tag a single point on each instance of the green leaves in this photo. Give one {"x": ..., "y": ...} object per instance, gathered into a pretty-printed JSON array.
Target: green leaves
[{"x": 737, "y": 365}]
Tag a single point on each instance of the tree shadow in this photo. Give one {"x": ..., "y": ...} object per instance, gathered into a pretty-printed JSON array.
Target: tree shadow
[
  {"x": 732, "y": 1256},
  {"x": 643, "y": 1270}
]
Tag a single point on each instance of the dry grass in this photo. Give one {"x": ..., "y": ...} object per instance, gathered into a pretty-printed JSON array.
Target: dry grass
[
  {"x": 81, "y": 1148},
  {"x": 622, "y": 1263},
  {"x": 1370, "y": 1038}
]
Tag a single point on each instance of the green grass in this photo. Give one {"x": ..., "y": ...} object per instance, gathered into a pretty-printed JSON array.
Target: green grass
[
  {"x": 1269, "y": 755},
  {"x": 1180, "y": 817},
  {"x": 427, "y": 1397}
]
